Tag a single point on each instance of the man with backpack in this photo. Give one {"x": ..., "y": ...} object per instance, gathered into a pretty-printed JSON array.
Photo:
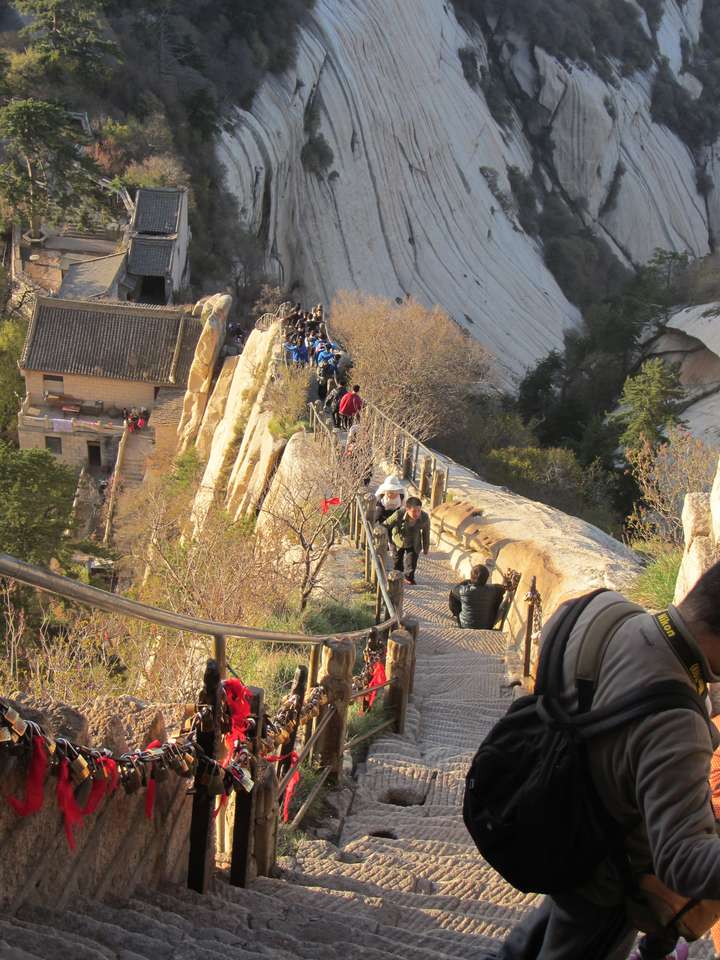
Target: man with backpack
[{"x": 595, "y": 789}]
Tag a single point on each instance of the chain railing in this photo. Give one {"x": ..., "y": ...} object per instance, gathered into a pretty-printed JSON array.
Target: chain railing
[
  {"x": 266, "y": 740},
  {"x": 268, "y": 319}
]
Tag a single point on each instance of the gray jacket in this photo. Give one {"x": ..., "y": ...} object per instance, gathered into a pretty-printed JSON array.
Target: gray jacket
[{"x": 652, "y": 775}]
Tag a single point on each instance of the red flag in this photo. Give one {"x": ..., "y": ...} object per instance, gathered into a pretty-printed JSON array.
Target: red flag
[
  {"x": 332, "y": 502},
  {"x": 238, "y": 699},
  {"x": 292, "y": 784}
]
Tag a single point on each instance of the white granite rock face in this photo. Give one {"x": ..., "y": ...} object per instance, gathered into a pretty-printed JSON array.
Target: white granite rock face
[
  {"x": 404, "y": 209},
  {"x": 701, "y": 530}
]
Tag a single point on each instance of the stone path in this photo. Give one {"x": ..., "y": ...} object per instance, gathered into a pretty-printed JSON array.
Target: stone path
[{"x": 405, "y": 879}]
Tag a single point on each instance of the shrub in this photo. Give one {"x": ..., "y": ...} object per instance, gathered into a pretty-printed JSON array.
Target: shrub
[
  {"x": 524, "y": 194},
  {"x": 316, "y": 155},
  {"x": 492, "y": 179},
  {"x": 470, "y": 68},
  {"x": 333, "y": 617},
  {"x": 655, "y": 586}
]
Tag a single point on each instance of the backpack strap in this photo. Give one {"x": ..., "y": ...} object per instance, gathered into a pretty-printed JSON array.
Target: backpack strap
[
  {"x": 549, "y": 678},
  {"x": 593, "y": 646}
]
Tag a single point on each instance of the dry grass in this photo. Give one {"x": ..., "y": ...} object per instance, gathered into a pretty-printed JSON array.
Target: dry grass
[{"x": 414, "y": 362}]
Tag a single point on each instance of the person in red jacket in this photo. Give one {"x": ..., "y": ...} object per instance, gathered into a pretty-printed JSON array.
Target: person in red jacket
[{"x": 350, "y": 406}]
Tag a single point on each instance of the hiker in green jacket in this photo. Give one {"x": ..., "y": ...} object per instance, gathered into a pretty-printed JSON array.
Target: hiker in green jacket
[{"x": 409, "y": 530}]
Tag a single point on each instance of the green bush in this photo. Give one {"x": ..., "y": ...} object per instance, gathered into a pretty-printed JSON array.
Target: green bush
[
  {"x": 655, "y": 586},
  {"x": 333, "y": 617},
  {"x": 470, "y": 68},
  {"x": 316, "y": 155},
  {"x": 524, "y": 194}
]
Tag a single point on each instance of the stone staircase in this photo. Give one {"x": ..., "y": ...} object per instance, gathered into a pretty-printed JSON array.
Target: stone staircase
[{"x": 405, "y": 876}]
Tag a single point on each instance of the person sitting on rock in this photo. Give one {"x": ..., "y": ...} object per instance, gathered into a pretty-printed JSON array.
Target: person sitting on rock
[
  {"x": 390, "y": 496},
  {"x": 409, "y": 529},
  {"x": 474, "y": 603}
]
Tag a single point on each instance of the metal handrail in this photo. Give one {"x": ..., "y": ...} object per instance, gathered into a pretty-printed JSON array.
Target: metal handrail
[{"x": 112, "y": 603}]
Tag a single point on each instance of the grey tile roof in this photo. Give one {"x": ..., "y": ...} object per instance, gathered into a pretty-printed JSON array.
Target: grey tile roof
[
  {"x": 157, "y": 210},
  {"x": 149, "y": 257},
  {"x": 114, "y": 339},
  {"x": 88, "y": 279}
]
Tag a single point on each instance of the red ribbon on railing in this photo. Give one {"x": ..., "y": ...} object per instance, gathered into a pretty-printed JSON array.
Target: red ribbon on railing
[
  {"x": 238, "y": 699},
  {"x": 379, "y": 677},
  {"x": 292, "y": 782},
  {"x": 67, "y": 804},
  {"x": 331, "y": 502},
  {"x": 34, "y": 783}
]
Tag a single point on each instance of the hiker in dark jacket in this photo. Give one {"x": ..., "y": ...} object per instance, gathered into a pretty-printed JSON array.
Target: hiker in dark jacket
[
  {"x": 474, "y": 603},
  {"x": 409, "y": 529},
  {"x": 650, "y": 775},
  {"x": 332, "y": 402}
]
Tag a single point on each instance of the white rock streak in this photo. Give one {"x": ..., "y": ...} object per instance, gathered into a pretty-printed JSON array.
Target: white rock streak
[{"x": 404, "y": 209}]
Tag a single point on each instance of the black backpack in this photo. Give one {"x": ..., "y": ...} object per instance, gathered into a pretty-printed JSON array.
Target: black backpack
[{"x": 530, "y": 804}]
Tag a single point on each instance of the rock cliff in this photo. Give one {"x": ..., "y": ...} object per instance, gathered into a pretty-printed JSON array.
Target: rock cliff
[{"x": 414, "y": 195}]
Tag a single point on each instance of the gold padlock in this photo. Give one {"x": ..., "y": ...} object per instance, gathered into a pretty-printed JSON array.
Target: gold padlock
[
  {"x": 5, "y": 735},
  {"x": 79, "y": 768},
  {"x": 16, "y": 721}
]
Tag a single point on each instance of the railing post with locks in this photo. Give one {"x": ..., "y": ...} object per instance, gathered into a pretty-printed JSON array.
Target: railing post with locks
[
  {"x": 201, "y": 856},
  {"x": 396, "y": 588},
  {"x": 338, "y": 659},
  {"x": 243, "y": 840},
  {"x": 425, "y": 475}
]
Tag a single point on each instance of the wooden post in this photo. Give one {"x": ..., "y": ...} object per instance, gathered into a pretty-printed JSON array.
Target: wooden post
[
  {"x": 202, "y": 853},
  {"x": 407, "y": 462},
  {"x": 299, "y": 686},
  {"x": 312, "y": 682},
  {"x": 243, "y": 840},
  {"x": 379, "y": 606},
  {"x": 338, "y": 659},
  {"x": 413, "y": 628},
  {"x": 398, "y": 666},
  {"x": 266, "y": 822},
  {"x": 380, "y": 539},
  {"x": 438, "y": 488},
  {"x": 117, "y": 473},
  {"x": 425, "y": 474},
  {"x": 396, "y": 587}
]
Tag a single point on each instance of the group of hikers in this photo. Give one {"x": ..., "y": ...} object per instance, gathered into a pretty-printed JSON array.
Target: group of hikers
[
  {"x": 135, "y": 419},
  {"x": 307, "y": 344}
]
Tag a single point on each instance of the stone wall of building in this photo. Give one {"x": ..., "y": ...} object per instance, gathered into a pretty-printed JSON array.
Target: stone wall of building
[{"x": 116, "y": 393}]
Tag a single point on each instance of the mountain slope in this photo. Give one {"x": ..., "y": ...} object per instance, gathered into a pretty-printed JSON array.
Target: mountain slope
[{"x": 425, "y": 118}]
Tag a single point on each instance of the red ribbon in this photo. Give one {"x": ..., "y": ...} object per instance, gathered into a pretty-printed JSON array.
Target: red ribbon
[
  {"x": 34, "y": 783},
  {"x": 379, "y": 677},
  {"x": 67, "y": 804},
  {"x": 332, "y": 502},
  {"x": 292, "y": 782},
  {"x": 238, "y": 699}
]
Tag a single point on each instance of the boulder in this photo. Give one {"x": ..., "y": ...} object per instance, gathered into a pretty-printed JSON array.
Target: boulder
[
  {"x": 696, "y": 519},
  {"x": 214, "y": 312},
  {"x": 698, "y": 557},
  {"x": 215, "y": 409}
]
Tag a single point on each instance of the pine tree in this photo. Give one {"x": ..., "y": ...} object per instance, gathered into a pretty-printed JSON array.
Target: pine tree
[
  {"x": 67, "y": 34},
  {"x": 649, "y": 404},
  {"x": 45, "y": 176}
]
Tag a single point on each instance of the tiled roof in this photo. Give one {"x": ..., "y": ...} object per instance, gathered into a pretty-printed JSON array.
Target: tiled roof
[
  {"x": 114, "y": 339},
  {"x": 149, "y": 257},
  {"x": 88, "y": 279},
  {"x": 156, "y": 211}
]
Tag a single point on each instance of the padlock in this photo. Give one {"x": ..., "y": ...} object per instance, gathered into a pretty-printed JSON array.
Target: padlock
[
  {"x": 17, "y": 723},
  {"x": 82, "y": 792},
  {"x": 131, "y": 777},
  {"x": 247, "y": 782},
  {"x": 216, "y": 783},
  {"x": 80, "y": 769},
  {"x": 5, "y": 735}
]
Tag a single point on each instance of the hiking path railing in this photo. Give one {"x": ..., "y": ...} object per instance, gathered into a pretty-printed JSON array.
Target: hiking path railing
[{"x": 260, "y": 770}]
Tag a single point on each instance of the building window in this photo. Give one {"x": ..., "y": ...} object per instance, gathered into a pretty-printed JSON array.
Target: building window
[
  {"x": 53, "y": 384},
  {"x": 54, "y": 445}
]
